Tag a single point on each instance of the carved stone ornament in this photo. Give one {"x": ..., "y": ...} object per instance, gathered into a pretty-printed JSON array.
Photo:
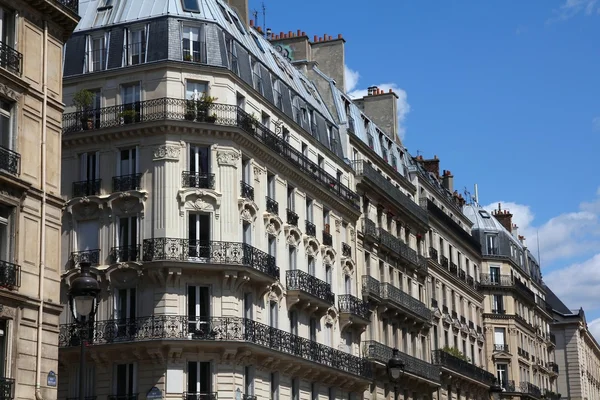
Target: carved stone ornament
[
  {"x": 6, "y": 91},
  {"x": 167, "y": 152},
  {"x": 228, "y": 157},
  {"x": 348, "y": 268},
  {"x": 258, "y": 171},
  {"x": 273, "y": 225},
  {"x": 338, "y": 224},
  {"x": 293, "y": 237},
  {"x": 352, "y": 234},
  {"x": 199, "y": 200},
  {"x": 246, "y": 215}
]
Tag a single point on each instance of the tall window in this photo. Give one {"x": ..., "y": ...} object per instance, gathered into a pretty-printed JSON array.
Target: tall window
[
  {"x": 127, "y": 241},
  {"x": 492, "y": 244},
  {"x": 198, "y": 303},
  {"x": 192, "y": 44},
  {"x": 199, "y": 380},
  {"x": 125, "y": 305},
  {"x": 274, "y": 386},
  {"x": 273, "y": 313},
  {"x": 295, "y": 389},
  {"x": 247, "y": 233},
  {"x": 199, "y": 235},
  {"x": 194, "y": 90},
  {"x": 495, "y": 275},
  {"x": 277, "y": 93},
  {"x": 136, "y": 46},
  {"x": 7, "y": 27},
  {"x": 502, "y": 374},
  {"x": 130, "y": 98},
  {"x": 87, "y": 236},
  {"x": 199, "y": 167},
  {"x": 497, "y": 304},
  {"x": 249, "y": 381},
  {"x": 256, "y": 77},
  {"x": 125, "y": 380},
  {"x": 292, "y": 257},
  {"x": 293, "y": 315},
  {"x": 5, "y": 234},
  {"x": 89, "y": 174},
  {"x": 96, "y": 57},
  {"x": 127, "y": 169},
  {"x": 6, "y": 137},
  {"x": 311, "y": 265}
]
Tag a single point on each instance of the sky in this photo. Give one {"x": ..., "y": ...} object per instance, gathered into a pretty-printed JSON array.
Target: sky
[{"x": 505, "y": 93}]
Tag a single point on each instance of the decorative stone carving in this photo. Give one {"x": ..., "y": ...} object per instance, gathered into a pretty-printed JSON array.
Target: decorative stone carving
[
  {"x": 248, "y": 210},
  {"x": 167, "y": 152},
  {"x": 273, "y": 224},
  {"x": 199, "y": 204},
  {"x": 258, "y": 171},
  {"x": 8, "y": 92},
  {"x": 352, "y": 234},
  {"x": 348, "y": 268},
  {"x": 311, "y": 246},
  {"x": 229, "y": 157},
  {"x": 293, "y": 237},
  {"x": 246, "y": 215},
  {"x": 199, "y": 200}
]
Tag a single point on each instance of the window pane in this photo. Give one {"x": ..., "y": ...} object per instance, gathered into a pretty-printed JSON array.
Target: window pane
[{"x": 190, "y": 5}]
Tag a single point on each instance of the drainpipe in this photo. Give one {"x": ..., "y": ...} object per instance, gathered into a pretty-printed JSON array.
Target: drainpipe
[{"x": 38, "y": 389}]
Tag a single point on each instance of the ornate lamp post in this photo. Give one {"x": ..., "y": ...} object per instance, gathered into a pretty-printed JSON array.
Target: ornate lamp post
[
  {"x": 495, "y": 390},
  {"x": 83, "y": 299},
  {"x": 395, "y": 370}
]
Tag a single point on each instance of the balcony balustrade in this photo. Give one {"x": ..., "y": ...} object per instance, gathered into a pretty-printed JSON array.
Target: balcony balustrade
[
  {"x": 202, "y": 396},
  {"x": 210, "y": 252},
  {"x": 124, "y": 183},
  {"x": 433, "y": 254},
  {"x": 214, "y": 329},
  {"x": 10, "y": 277},
  {"x": 87, "y": 188},
  {"x": 346, "y": 250},
  {"x": 371, "y": 287},
  {"x": 444, "y": 261},
  {"x": 9, "y": 160},
  {"x": 353, "y": 305},
  {"x": 125, "y": 253},
  {"x": 91, "y": 256},
  {"x": 445, "y": 309},
  {"x": 501, "y": 347},
  {"x": 398, "y": 248},
  {"x": 327, "y": 239},
  {"x": 310, "y": 229},
  {"x": 199, "y": 180},
  {"x": 292, "y": 217},
  {"x": 434, "y": 303},
  {"x": 381, "y": 353},
  {"x": 447, "y": 360},
  {"x": 246, "y": 191},
  {"x": 75, "y": 398},
  {"x": 495, "y": 280},
  {"x": 530, "y": 388},
  {"x": 301, "y": 281},
  {"x": 405, "y": 301},
  {"x": 171, "y": 109},
  {"x": 11, "y": 59},
  {"x": 553, "y": 367},
  {"x": 498, "y": 311},
  {"x": 370, "y": 230},
  {"x": 454, "y": 314},
  {"x": 272, "y": 206},
  {"x": 132, "y": 396}
]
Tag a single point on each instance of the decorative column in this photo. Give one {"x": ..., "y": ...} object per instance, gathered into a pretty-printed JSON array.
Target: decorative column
[
  {"x": 228, "y": 160},
  {"x": 166, "y": 181}
]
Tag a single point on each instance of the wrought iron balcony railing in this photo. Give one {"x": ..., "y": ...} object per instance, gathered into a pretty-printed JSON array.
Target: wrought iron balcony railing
[
  {"x": 346, "y": 250},
  {"x": 201, "y": 396},
  {"x": 7, "y": 388},
  {"x": 371, "y": 286},
  {"x": 10, "y": 276},
  {"x": 9, "y": 160},
  {"x": 200, "y": 180},
  {"x": 11, "y": 59},
  {"x": 388, "y": 189},
  {"x": 398, "y": 248},
  {"x": 353, "y": 305},
  {"x": 214, "y": 252},
  {"x": 300, "y": 280},
  {"x": 77, "y": 398},
  {"x": 530, "y": 388},
  {"x": 370, "y": 229},
  {"x": 124, "y": 183},
  {"x": 434, "y": 303},
  {"x": 249, "y": 397},
  {"x": 433, "y": 254},
  {"x": 406, "y": 301},
  {"x": 172, "y": 109},
  {"x": 382, "y": 353},
  {"x": 87, "y": 188},
  {"x": 498, "y": 311},
  {"x": 125, "y": 253},
  {"x": 507, "y": 281},
  {"x": 131, "y": 396},
  {"x": 444, "y": 261},
  {"x": 327, "y": 239},
  {"x": 553, "y": 367},
  {"x": 292, "y": 217},
  {"x": 72, "y": 5},
  {"x": 310, "y": 228},
  {"x": 91, "y": 256},
  {"x": 447, "y": 360},
  {"x": 227, "y": 329},
  {"x": 246, "y": 191},
  {"x": 272, "y": 206}
]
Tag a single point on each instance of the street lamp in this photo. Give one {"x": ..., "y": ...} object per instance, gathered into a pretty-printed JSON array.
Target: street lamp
[
  {"x": 83, "y": 297},
  {"x": 395, "y": 370},
  {"x": 495, "y": 390}
]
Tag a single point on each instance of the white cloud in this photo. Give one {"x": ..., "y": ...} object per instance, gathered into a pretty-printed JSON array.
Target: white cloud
[
  {"x": 352, "y": 78},
  {"x": 577, "y": 285},
  {"x": 594, "y": 327},
  {"x": 571, "y": 8},
  {"x": 596, "y": 124}
]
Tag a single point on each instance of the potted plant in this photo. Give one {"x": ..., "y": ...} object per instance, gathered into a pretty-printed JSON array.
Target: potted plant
[
  {"x": 190, "y": 113},
  {"x": 211, "y": 118},
  {"x": 128, "y": 116},
  {"x": 204, "y": 104},
  {"x": 249, "y": 122},
  {"x": 83, "y": 100},
  {"x": 187, "y": 57}
]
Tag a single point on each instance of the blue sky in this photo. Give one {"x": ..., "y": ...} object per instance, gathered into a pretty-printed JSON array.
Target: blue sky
[{"x": 505, "y": 93}]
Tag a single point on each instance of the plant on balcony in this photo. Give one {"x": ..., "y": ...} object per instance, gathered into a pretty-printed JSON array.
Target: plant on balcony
[
  {"x": 211, "y": 118},
  {"x": 128, "y": 116},
  {"x": 83, "y": 100},
  {"x": 249, "y": 122},
  {"x": 190, "y": 110},
  {"x": 453, "y": 351},
  {"x": 203, "y": 105},
  {"x": 187, "y": 57}
]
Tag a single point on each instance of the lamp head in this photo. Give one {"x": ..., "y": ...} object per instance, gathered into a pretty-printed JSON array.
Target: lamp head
[
  {"x": 395, "y": 366},
  {"x": 83, "y": 293}
]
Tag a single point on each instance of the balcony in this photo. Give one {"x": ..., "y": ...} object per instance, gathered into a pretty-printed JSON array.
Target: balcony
[
  {"x": 550, "y": 395},
  {"x": 211, "y": 331},
  {"x": 306, "y": 287},
  {"x": 370, "y": 230},
  {"x": 405, "y": 302},
  {"x": 522, "y": 353},
  {"x": 292, "y": 217},
  {"x": 444, "y": 262},
  {"x": 346, "y": 250},
  {"x": 10, "y": 276},
  {"x": 434, "y": 303},
  {"x": 72, "y": 5},
  {"x": 371, "y": 287},
  {"x": 124, "y": 183},
  {"x": 272, "y": 206},
  {"x": 351, "y": 306},
  {"x": 249, "y": 397},
  {"x": 7, "y": 388},
  {"x": 9, "y": 160},
  {"x": 553, "y": 367},
  {"x": 380, "y": 353},
  {"x": 310, "y": 229},
  {"x": 133, "y": 396},
  {"x": 398, "y": 248},
  {"x": 210, "y": 252},
  {"x": 531, "y": 389},
  {"x": 121, "y": 254},
  {"x": 11, "y": 59},
  {"x": 246, "y": 191},
  {"x": 202, "y": 396},
  {"x": 87, "y": 188},
  {"x": 190, "y": 179},
  {"x": 327, "y": 239},
  {"x": 507, "y": 281},
  {"x": 450, "y": 223},
  {"x": 368, "y": 174},
  {"x": 91, "y": 256},
  {"x": 447, "y": 361},
  {"x": 433, "y": 254},
  {"x": 76, "y": 398},
  {"x": 172, "y": 109}
]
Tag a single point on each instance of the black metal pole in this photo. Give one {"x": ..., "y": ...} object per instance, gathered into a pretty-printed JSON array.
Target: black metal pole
[
  {"x": 395, "y": 392},
  {"x": 81, "y": 363}
]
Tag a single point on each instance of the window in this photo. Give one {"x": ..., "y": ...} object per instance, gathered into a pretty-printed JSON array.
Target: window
[
  {"x": 191, "y": 44},
  {"x": 199, "y": 380},
  {"x": 130, "y": 99},
  {"x": 249, "y": 381},
  {"x": 292, "y": 257},
  {"x": 296, "y": 110},
  {"x": 87, "y": 236},
  {"x": 293, "y": 316},
  {"x": 311, "y": 265},
  {"x": 199, "y": 167},
  {"x": 195, "y": 90},
  {"x": 258, "y": 44},
  {"x": 6, "y": 227},
  {"x": 314, "y": 391},
  {"x": 96, "y": 53},
  {"x": 328, "y": 274},
  {"x": 492, "y": 244},
  {"x": 274, "y": 386},
  {"x": 198, "y": 303},
  {"x": 248, "y": 306},
  {"x": 295, "y": 389},
  {"x": 273, "y": 312},
  {"x": 125, "y": 306},
  {"x": 272, "y": 246},
  {"x": 484, "y": 214},
  {"x": 348, "y": 284},
  {"x": 126, "y": 238},
  {"x": 502, "y": 374},
  {"x": 497, "y": 304},
  {"x": 7, "y": 28},
  {"x": 136, "y": 46},
  {"x": 291, "y": 203},
  {"x": 6, "y": 135},
  {"x": 495, "y": 275},
  {"x": 499, "y": 336},
  {"x": 198, "y": 236},
  {"x": 232, "y": 56},
  {"x": 257, "y": 77},
  {"x": 370, "y": 141},
  {"x": 313, "y": 329},
  {"x": 190, "y": 5},
  {"x": 277, "y": 93},
  {"x": 237, "y": 23},
  {"x": 124, "y": 380},
  {"x": 247, "y": 233}
]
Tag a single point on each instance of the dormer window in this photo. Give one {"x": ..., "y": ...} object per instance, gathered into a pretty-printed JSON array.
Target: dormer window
[
  {"x": 394, "y": 163},
  {"x": 370, "y": 141},
  {"x": 277, "y": 93},
  {"x": 191, "y": 44},
  {"x": 96, "y": 53},
  {"x": 188, "y": 5},
  {"x": 136, "y": 46},
  {"x": 256, "y": 77},
  {"x": 484, "y": 214},
  {"x": 257, "y": 41}
]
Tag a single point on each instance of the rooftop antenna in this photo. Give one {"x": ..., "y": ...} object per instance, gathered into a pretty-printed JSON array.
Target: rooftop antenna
[
  {"x": 476, "y": 200},
  {"x": 255, "y": 15},
  {"x": 264, "y": 11},
  {"x": 468, "y": 196},
  {"x": 419, "y": 153}
]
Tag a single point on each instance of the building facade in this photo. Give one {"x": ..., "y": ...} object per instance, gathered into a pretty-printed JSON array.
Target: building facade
[
  {"x": 516, "y": 316},
  {"x": 577, "y": 353},
  {"x": 32, "y": 36}
]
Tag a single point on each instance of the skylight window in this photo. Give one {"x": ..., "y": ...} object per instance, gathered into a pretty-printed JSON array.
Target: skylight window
[
  {"x": 190, "y": 6},
  {"x": 257, "y": 41},
  {"x": 238, "y": 23},
  {"x": 225, "y": 14},
  {"x": 484, "y": 214}
]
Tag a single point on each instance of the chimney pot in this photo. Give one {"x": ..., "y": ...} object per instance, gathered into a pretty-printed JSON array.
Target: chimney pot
[
  {"x": 303, "y": 33},
  {"x": 251, "y": 22},
  {"x": 315, "y": 38},
  {"x": 259, "y": 29},
  {"x": 299, "y": 32},
  {"x": 340, "y": 36},
  {"x": 391, "y": 91},
  {"x": 328, "y": 37}
]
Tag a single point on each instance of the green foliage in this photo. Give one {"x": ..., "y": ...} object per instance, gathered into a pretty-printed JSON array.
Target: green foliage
[
  {"x": 456, "y": 353},
  {"x": 83, "y": 100}
]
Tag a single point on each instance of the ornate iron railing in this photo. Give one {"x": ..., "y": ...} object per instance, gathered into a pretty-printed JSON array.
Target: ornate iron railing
[
  {"x": 530, "y": 388},
  {"x": 91, "y": 256},
  {"x": 6, "y": 388},
  {"x": 553, "y": 366},
  {"x": 371, "y": 286},
  {"x": 249, "y": 397},
  {"x": 124, "y": 183},
  {"x": 72, "y": 5},
  {"x": 444, "y": 261},
  {"x": 213, "y": 252},
  {"x": 433, "y": 254},
  {"x": 382, "y": 353},
  {"x": 292, "y": 217},
  {"x": 77, "y": 398},
  {"x": 353, "y": 305},
  {"x": 506, "y": 281},
  {"x": 370, "y": 229},
  {"x": 10, "y": 276},
  {"x": 9, "y": 160},
  {"x": 434, "y": 303},
  {"x": 300, "y": 280},
  {"x": 125, "y": 253},
  {"x": 200, "y": 396},
  {"x": 406, "y": 301},
  {"x": 190, "y": 179},
  {"x": 272, "y": 206},
  {"x": 447, "y": 360},
  {"x": 11, "y": 59},
  {"x": 132, "y": 396},
  {"x": 327, "y": 239},
  {"x": 223, "y": 114},
  {"x": 87, "y": 188},
  {"x": 346, "y": 250},
  {"x": 246, "y": 191},
  {"x": 161, "y": 327},
  {"x": 310, "y": 229}
]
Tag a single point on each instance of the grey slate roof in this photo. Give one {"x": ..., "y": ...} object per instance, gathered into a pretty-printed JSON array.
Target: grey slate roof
[{"x": 556, "y": 304}]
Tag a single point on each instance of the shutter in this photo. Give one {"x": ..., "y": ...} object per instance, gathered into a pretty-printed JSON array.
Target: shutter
[
  {"x": 244, "y": 64},
  {"x": 158, "y": 40},
  {"x": 75, "y": 55},
  {"x": 287, "y": 100},
  {"x": 115, "y": 48},
  {"x": 321, "y": 129},
  {"x": 267, "y": 86}
]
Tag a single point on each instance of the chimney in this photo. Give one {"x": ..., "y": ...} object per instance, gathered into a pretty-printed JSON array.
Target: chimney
[
  {"x": 298, "y": 43},
  {"x": 504, "y": 217},
  {"x": 448, "y": 181},
  {"x": 382, "y": 108},
  {"x": 241, "y": 7},
  {"x": 515, "y": 230},
  {"x": 329, "y": 55},
  {"x": 431, "y": 165}
]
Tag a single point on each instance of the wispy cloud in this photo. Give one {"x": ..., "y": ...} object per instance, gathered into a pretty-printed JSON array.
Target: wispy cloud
[
  {"x": 596, "y": 124},
  {"x": 594, "y": 327},
  {"x": 352, "y": 79},
  {"x": 571, "y": 8}
]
